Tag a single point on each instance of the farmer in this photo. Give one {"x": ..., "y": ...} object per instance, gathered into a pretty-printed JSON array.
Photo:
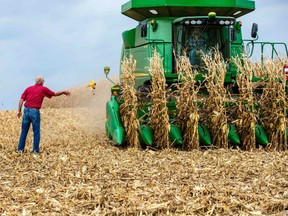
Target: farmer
[
  {"x": 197, "y": 42},
  {"x": 33, "y": 97}
]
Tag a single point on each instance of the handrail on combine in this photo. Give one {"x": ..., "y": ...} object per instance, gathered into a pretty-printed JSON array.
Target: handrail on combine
[
  {"x": 263, "y": 44},
  {"x": 154, "y": 43}
]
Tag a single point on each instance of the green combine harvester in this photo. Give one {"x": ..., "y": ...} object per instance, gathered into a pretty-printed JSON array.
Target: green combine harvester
[{"x": 167, "y": 26}]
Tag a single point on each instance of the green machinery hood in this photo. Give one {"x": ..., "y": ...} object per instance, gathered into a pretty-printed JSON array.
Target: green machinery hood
[{"x": 143, "y": 9}]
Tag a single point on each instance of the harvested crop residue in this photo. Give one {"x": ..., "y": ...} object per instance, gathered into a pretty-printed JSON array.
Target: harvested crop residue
[{"x": 79, "y": 172}]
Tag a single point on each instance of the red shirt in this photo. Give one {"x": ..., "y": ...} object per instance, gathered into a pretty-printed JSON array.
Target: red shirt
[{"x": 34, "y": 96}]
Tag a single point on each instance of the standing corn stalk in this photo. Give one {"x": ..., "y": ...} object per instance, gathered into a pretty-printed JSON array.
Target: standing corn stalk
[
  {"x": 215, "y": 106},
  {"x": 187, "y": 103},
  {"x": 158, "y": 110},
  {"x": 273, "y": 104},
  {"x": 246, "y": 117},
  {"x": 130, "y": 103}
]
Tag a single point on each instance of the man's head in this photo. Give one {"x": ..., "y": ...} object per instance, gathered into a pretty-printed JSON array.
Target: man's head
[
  {"x": 39, "y": 80},
  {"x": 197, "y": 31}
]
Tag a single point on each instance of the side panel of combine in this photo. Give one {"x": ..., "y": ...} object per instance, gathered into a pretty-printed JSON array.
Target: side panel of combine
[
  {"x": 113, "y": 126},
  {"x": 150, "y": 34}
]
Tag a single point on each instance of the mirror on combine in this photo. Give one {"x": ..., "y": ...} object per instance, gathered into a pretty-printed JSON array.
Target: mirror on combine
[
  {"x": 254, "y": 30},
  {"x": 144, "y": 28}
]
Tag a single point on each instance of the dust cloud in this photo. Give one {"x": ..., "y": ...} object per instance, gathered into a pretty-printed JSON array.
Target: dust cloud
[{"x": 89, "y": 104}]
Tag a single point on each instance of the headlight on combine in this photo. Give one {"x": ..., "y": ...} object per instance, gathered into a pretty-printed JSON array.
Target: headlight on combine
[
  {"x": 210, "y": 21},
  {"x": 226, "y": 22},
  {"x": 115, "y": 90},
  {"x": 193, "y": 22}
]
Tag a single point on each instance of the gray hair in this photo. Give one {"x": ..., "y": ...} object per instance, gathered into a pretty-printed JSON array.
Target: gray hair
[{"x": 39, "y": 80}]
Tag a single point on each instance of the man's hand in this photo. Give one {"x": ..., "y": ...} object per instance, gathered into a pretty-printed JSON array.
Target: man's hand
[
  {"x": 66, "y": 92},
  {"x": 19, "y": 114},
  {"x": 20, "y": 108}
]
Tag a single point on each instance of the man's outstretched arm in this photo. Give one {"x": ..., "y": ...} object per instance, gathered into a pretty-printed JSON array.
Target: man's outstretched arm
[{"x": 65, "y": 92}]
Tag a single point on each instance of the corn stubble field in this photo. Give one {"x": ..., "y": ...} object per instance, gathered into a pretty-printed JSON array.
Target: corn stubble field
[{"x": 80, "y": 172}]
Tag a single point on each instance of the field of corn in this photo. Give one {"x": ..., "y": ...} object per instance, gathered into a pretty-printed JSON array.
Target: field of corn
[{"x": 80, "y": 172}]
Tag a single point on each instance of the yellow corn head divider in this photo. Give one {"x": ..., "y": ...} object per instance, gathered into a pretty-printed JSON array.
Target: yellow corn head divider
[{"x": 183, "y": 60}]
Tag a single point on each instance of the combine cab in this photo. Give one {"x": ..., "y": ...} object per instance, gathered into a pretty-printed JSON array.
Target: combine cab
[{"x": 175, "y": 28}]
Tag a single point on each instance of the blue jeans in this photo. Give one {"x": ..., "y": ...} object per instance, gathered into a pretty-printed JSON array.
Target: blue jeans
[{"x": 30, "y": 116}]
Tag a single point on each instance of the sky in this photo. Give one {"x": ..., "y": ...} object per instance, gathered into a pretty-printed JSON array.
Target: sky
[{"x": 69, "y": 42}]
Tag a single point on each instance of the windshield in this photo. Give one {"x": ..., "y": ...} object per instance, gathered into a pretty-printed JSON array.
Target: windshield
[{"x": 194, "y": 41}]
